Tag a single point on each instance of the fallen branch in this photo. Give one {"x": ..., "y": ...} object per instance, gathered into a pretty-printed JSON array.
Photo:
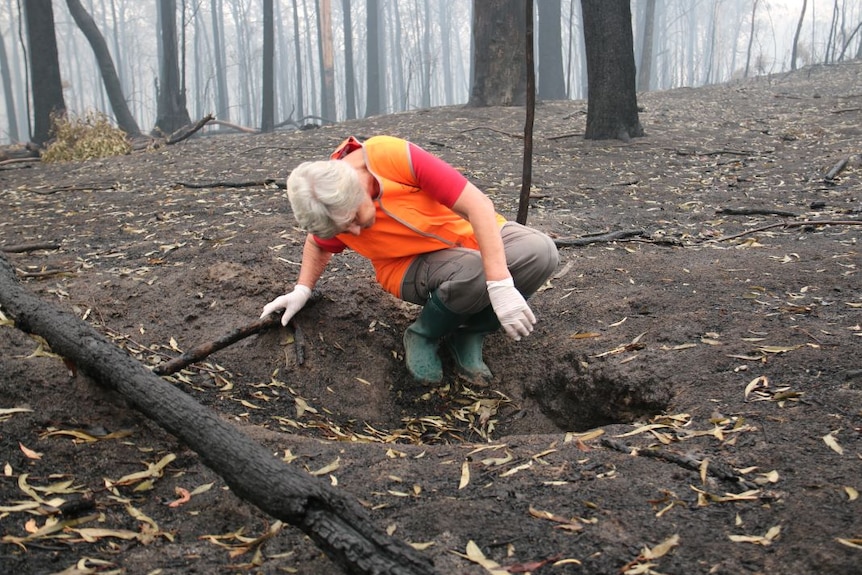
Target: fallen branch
[
  {"x": 187, "y": 131},
  {"x": 789, "y": 225},
  {"x": 514, "y": 136},
  {"x": 257, "y": 184},
  {"x": 205, "y": 349},
  {"x": 71, "y": 188},
  {"x": 836, "y": 169},
  {"x": 609, "y": 237},
  {"x": 756, "y": 212},
  {"x": 237, "y": 127},
  {"x": 19, "y": 161},
  {"x": 22, "y": 248},
  {"x": 337, "y": 524},
  {"x": 715, "y": 468}
]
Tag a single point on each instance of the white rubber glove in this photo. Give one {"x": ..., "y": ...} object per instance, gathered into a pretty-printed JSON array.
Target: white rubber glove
[
  {"x": 511, "y": 308},
  {"x": 291, "y": 303}
]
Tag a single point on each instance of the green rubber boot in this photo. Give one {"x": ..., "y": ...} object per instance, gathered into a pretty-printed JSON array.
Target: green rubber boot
[
  {"x": 465, "y": 344},
  {"x": 422, "y": 338}
]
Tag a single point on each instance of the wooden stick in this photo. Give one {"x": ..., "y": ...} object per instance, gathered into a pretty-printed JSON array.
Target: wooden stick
[
  {"x": 609, "y": 237},
  {"x": 836, "y": 169},
  {"x": 21, "y": 248},
  {"x": 755, "y": 212},
  {"x": 187, "y": 131},
  {"x": 790, "y": 225},
  {"x": 205, "y": 349},
  {"x": 716, "y": 468}
]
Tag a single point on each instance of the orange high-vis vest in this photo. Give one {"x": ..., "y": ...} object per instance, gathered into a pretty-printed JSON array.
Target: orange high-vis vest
[{"x": 408, "y": 221}]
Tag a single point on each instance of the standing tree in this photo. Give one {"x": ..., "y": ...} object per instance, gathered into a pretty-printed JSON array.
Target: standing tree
[
  {"x": 44, "y": 68},
  {"x": 114, "y": 89},
  {"x": 327, "y": 70},
  {"x": 8, "y": 94},
  {"x": 267, "y": 113},
  {"x": 793, "y": 54},
  {"x": 645, "y": 69},
  {"x": 373, "y": 103},
  {"x": 551, "y": 79},
  {"x": 499, "y": 45},
  {"x": 349, "y": 77},
  {"x": 222, "y": 103},
  {"x": 751, "y": 37},
  {"x": 612, "y": 108},
  {"x": 172, "y": 113},
  {"x": 297, "y": 49}
]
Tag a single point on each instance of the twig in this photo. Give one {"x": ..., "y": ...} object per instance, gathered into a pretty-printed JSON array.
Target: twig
[
  {"x": 46, "y": 273},
  {"x": 790, "y": 225},
  {"x": 71, "y": 188},
  {"x": 19, "y": 161},
  {"x": 516, "y": 136},
  {"x": 755, "y": 212},
  {"x": 836, "y": 169},
  {"x": 715, "y": 468},
  {"x": 21, "y": 248},
  {"x": 718, "y": 152},
  {"x": 205, "y": 349},
  {"x": 258, "y": 184},
  {"x": 563, "y": 136},
  {"x": 609, "y": 237},
  {"x": 236, "y": 127}
]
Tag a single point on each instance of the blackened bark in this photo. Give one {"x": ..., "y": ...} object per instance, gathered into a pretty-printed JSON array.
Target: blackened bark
[
  {"x": 338, "y": 525},
  {"x": 44, "y": 68},
  {"x": 499, "y": 46},
  {"x": 172, "y": 112},
  {"x": 612, "y": 109},
  {"x": 551, "y": 80}
]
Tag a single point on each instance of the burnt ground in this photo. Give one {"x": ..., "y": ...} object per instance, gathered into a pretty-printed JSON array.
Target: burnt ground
[{"x": 722, "y": 347}]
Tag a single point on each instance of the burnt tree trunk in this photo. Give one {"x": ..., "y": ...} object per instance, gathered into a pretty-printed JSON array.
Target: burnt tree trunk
[
  {"x": 44, "y": 68},
  {"x": 338, "y": 525},
  {"x": 499, "y": 45},
  {"x": 612, "y": 108}
]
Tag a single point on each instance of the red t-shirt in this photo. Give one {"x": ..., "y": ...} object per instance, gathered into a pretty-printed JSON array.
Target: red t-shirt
[{"x": 434, "y": 176}]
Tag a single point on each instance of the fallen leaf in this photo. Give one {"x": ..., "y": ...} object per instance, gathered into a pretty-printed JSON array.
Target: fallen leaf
[
  {"x": 475, "y": 555},
  {"x": 29, "y": 452},
  {"x": 763, "y": 540},
  {"x": 643, "y": 429},
  {"x": 852, "y": 494},
  {"x": 757, "y": 383},
  {"x": 854, "y": 543},
  {"x": 778, "y": 349},
  {"x": 201, "y": 489},
  {"x": 327, "y": 468},
  {"x": 13, "y": 410},
  {"x": 661, "y": 549},
  {"x": 678, "y": 347},
  {"x": 465, "y": 475},
  {"x": 829, "y": 439},
  {"x": 564, "y": 523},
  {"x": 153, "y": 471}
]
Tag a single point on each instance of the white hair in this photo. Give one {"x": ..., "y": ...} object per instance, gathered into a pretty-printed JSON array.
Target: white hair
[{"x": 324, "y": 196}]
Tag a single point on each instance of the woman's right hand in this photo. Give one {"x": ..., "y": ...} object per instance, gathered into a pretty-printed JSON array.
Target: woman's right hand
[{"x": 291, "y": 303}]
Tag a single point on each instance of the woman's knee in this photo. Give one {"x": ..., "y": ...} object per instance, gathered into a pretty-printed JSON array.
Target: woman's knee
[{"x": 531, "y": 255}]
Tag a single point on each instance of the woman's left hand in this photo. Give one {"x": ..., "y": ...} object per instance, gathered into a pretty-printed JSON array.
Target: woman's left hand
[{"x": 511, "y": 308}]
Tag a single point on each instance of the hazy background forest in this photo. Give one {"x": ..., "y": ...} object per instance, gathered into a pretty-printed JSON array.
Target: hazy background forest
[{"x": 425, "y": 52}]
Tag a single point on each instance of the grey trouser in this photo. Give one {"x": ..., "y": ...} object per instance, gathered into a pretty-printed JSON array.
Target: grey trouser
[{"x": 457, "y": 275}]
